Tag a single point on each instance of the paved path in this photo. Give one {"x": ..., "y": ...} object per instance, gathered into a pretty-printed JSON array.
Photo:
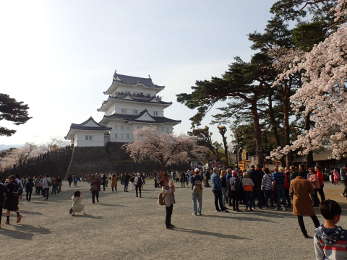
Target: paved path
[{"x": 122, "y": 226}]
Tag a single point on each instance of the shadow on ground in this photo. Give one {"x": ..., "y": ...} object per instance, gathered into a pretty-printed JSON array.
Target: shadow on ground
[{"x": 207, "y": 233}]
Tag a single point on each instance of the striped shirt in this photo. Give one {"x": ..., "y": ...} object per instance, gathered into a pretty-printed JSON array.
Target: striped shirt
[
  {"x": 266, "y": 183},
  {"x": 330, "y": 243}
]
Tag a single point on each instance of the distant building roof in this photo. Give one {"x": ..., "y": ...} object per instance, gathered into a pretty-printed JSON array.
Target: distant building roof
[
  {"x": 89, "y": 124},
  {"x": 141, "y": 118}
]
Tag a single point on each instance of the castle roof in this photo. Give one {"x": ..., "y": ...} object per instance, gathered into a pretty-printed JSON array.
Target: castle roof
[
  {"x": 143, "y": 117},
  {"x": 89, "y": 125},
  {"x": 131, "y": 80}
]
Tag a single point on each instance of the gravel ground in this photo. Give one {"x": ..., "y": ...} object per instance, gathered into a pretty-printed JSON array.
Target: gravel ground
[{"x": 122, "y": 226}]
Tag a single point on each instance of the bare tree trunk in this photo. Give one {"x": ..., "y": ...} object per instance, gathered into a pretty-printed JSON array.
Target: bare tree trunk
[
  {"x": 258, "y": 134},
  {"x": 286, "y": 110},
  {"x": 309, "y": 156},
  {"x": 273, "y": 122}
]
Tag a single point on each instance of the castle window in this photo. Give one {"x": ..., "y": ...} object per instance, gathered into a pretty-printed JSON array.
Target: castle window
[
  {"x": 88, "y": 137},
  {"x": 116, "y": 136},
  {"x": 135, "y": 111},
  {"x": 128, "y": 136},
  {"x": 155, "y": 113},
  {"x": 124, "y": 110}
]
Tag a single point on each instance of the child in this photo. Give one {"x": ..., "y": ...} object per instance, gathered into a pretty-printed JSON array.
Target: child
[
  {"x": 330, "y": 241},
  {"x": 77, "y": 205}
]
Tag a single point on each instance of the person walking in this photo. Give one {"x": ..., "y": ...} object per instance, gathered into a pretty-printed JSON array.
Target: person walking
[
  {"x": 301, "y": 190},
  {"x": 197, "y": 180},
  {"x": 169, "y": 198},
  {"x": 95, "y": 188},
  {"x": 248, "y": 188},
  {"x": 12, "y": 200},
  {"x": 138, "y": 182},
  {"x": 235, "y": 190},
  {"x": 45, "y": 187},
  {"x": 320, "y": 177},
  {"x": 217, "y": 191},
  {"x": 126, "y": 179},
  {"x": 69, "y": 179},
  {"x": 29, "y": 189},
  {"x": 313, "y": 179},
  {"x": 266, "y": 187},
  {"x": 3, "y": 191},
  {"x": 278, "y": 186},
  {"x": 114, "y": 181}
]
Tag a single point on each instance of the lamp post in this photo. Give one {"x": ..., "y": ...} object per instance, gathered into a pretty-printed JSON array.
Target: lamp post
[{"x": 222, "y": 130}]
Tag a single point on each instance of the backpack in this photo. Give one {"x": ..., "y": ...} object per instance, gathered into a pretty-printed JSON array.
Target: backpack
[{"x": 161, "y": 199}]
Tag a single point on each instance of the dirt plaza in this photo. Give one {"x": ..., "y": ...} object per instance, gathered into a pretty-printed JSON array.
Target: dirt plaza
[{"x": 122, "y": 226}]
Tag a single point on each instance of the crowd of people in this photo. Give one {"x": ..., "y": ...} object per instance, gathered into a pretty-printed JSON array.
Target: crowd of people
[{"x": 280, "y": 188}]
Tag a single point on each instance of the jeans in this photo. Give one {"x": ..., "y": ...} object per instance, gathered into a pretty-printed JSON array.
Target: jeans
[
  {"x": 287, "y": 197},
  {"x": 280, "y": 196},
  {"x": 28, "y": 194},
  {"x": 218, "y": 198},
  {"x": 138, "y": 190},
  {"x": 225, "y": 195},
  {"x": 168, "y": 215},
  {"x": 197, "y": 202},
  {"x": 302, "y": 224},
  {"x": 1, "y": 211},
  {"x": 321, "y": 193},
  {"x": 95, "y": 195},
  {"x": 249, "y": 201}
]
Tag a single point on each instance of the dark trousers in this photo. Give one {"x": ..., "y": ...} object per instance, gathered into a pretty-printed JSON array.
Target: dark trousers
[
  {"x": 321, "y": 194},
  {"x": 138, "y": 190},
  {"x": 28, "y": 195},
  {"x": 168, "y": 215},
  {"x": 46, "y": 193},
  {"x": 287, "y": 197},
  {"x": 234, "y": 199},
  {"x": 0, "y": 212},
  {"x": 95, "y": 195},
  {"x": 259, "y": 196},
  {"x": 302, "y": 224},
  {"x": 267, "y": 197},
  {"x": 126, "y": 187},
  {"x": 249, "y": 199},
  {"x": 218, "y": 198}
]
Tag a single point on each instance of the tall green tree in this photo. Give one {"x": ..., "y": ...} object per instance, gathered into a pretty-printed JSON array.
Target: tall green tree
[
  {"x": 243, "y": 85},
  {"x": 12, "y": 111}
]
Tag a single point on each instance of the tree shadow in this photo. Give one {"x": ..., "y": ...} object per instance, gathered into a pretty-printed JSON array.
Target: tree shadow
[
  {"x": 33, "y": 229},
  {"x": 207, "y": 233},
  {"x": 112, "y": 205},
  {"x": 88, "y": 216},
  {"x": 16, "y": 234},
  {"x": 244, "y": 218},
  {"x": 30, "y": 212}
]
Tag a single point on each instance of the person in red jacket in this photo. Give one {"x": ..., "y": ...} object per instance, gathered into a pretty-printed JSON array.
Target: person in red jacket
[{"x": 320, "y": 177}]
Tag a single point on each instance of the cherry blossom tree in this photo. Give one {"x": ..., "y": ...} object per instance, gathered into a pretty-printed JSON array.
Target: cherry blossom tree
[
  {"x": 165, "y": 149},
  {"x": 323, "y": 94}
]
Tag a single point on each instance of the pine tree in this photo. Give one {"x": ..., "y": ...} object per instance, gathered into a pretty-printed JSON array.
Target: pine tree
[{"x": 13, "y": 111}]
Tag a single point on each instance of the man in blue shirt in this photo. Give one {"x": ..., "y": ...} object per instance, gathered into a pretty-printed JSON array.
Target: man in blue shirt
[
  {"x": 278, "y": 182},
  {"x": 217, "y": 191}
]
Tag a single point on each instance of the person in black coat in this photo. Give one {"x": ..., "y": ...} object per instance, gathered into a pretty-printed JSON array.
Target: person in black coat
[
  {"x": 3, "y": 191},
  {"x": 12, "y": 199},
  {"x": 29, "y": 189}
]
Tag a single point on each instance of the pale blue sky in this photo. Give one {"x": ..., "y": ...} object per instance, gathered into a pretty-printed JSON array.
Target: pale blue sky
[{"x": 59, "y": 56}]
